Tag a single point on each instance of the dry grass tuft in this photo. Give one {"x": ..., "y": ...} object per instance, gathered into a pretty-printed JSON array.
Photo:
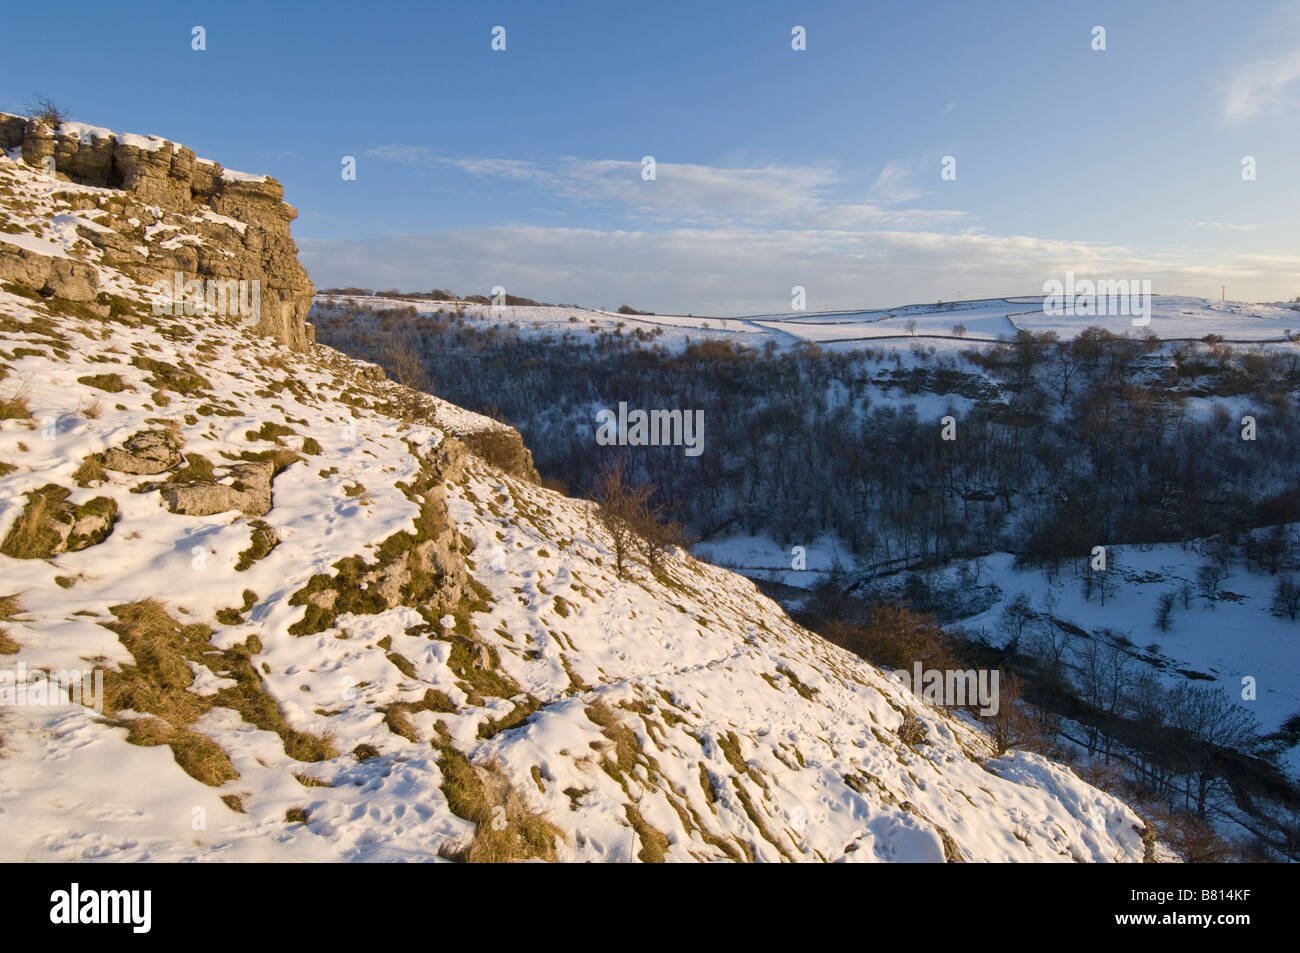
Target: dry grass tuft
[
  {"x": 307, "y": 781},
  {"x": 15, "y": 407},
  {"x": 654, "y": 843},
  {"x": 506, "y": 830},
  {"x": 200, "y": 756},
  {"x": 159, "y": 681},
  {"x": 91, "y": 472},
  {"x": 626, "y": 745},
  {"x": 234, "y": 802},
  {"x": 31, "y": 536},
  {"x": 10, "y": 608}
]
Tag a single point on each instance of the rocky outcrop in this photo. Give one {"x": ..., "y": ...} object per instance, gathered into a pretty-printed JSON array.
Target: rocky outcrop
[
  {"x": 242, "y": 222},
  {"x": 248, "y": 491},
  {"x": 50, "y": 524},
  {"x": 72, "y": 280},
  {"x": 503, "y": 447},
  {"x": 424, "y": 570},
  {"x": 51, "y": 277},
  {"x": 148, "y": 452}
]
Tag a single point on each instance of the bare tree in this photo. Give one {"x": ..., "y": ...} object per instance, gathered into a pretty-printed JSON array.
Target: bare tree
[
  {"x": 1213, "y": 724},
  {"x": 46, "y": 110},
  {"x": 620, "y": 512},
  {"x": 405, "y": 367},
  {"x": 656, "y": 533},
  {"x": 1105, "y": 676},
  {"x": 1165, "y": 611},
  {"x": 1047, "y": 645},
  {"x": 1208, "y": 578},
  {"x": 1013, "y": 620},
  {"x": 1011, "y": 726},
  {"x": 1191, "y": 838},
  {"x": 1066, "y": 360},
  {"x": 1286, "y": 598},
  {"x": 1107, "y": 580}
]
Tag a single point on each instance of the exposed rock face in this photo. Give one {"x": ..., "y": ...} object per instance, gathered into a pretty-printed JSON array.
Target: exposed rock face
[
  {"x": 61, "y": 277},
  {"x": 503, "y": 447},
  {"x": 432, "y": 572},
  {"x": 249, "y": 492},
  {"x": 425, "y": 570},
  {"x": 148, "y": 452},
  {"x": 242, "y": 222},
  {"x": 71, "y": 280},
  {"x": 27, "y": 268}
]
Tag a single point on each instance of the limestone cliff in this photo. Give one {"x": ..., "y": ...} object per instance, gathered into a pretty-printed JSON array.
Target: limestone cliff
[{"x": 176, "y": 213}]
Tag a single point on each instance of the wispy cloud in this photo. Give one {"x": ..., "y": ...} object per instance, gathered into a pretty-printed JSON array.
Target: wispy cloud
[
  {"x": 811, "y": 196},
  {"x": 892, "y": 184},
  {"x": 1266, "y": 85},
  {"x": 395, "y": 153},
  {"x": 733, "y": 271},
  {"x": 1223, "y": 227}
]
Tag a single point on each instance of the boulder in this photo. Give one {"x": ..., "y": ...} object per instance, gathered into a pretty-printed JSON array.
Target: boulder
[
  {"x": 148, "y": 452},
  {"x": 248, "y": 490},
  {"x": 91, "y": 524},
  {"x": 50, "y": 524},
  {"x": 324, "y": 599},
  {"x": 23, "y": 266},
  {"x": 72, "y": 280}
]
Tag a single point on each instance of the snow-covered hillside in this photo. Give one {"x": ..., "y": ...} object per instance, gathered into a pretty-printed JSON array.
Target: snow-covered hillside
[
  {"x": 301, "y": 673},
  {"x": 1221, "y": 640},
  {"x": 1172, "y": 317}
]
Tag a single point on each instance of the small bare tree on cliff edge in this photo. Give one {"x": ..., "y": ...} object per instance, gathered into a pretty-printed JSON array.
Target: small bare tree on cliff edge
[{"x": 46, "y": 110}]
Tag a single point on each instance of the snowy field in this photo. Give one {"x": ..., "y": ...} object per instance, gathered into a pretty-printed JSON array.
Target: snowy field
[{"x": 1172, "y": 317}]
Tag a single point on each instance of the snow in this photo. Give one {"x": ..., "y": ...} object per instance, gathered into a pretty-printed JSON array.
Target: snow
[
  {"x": 1178, "y": 317},
  {"x": 148, "y": 143},
  {"x": 211, "y": 216},
  {"x": 230, "y": 175},
  {"x": 151, "y": 232},
  {"x": 1221, "y": 641},
  {"x": 42, "y": 246},
  {"x": 767, "y": 738},
  {"x": 760, "y": 556},
  {"x": 179, "y": 240},
  {"x": 84, "y": 130},
  {"x": 1173, "y": 317}
]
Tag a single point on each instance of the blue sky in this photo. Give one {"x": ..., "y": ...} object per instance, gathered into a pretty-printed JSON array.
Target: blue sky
[{"x": 774, "y": 168}]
